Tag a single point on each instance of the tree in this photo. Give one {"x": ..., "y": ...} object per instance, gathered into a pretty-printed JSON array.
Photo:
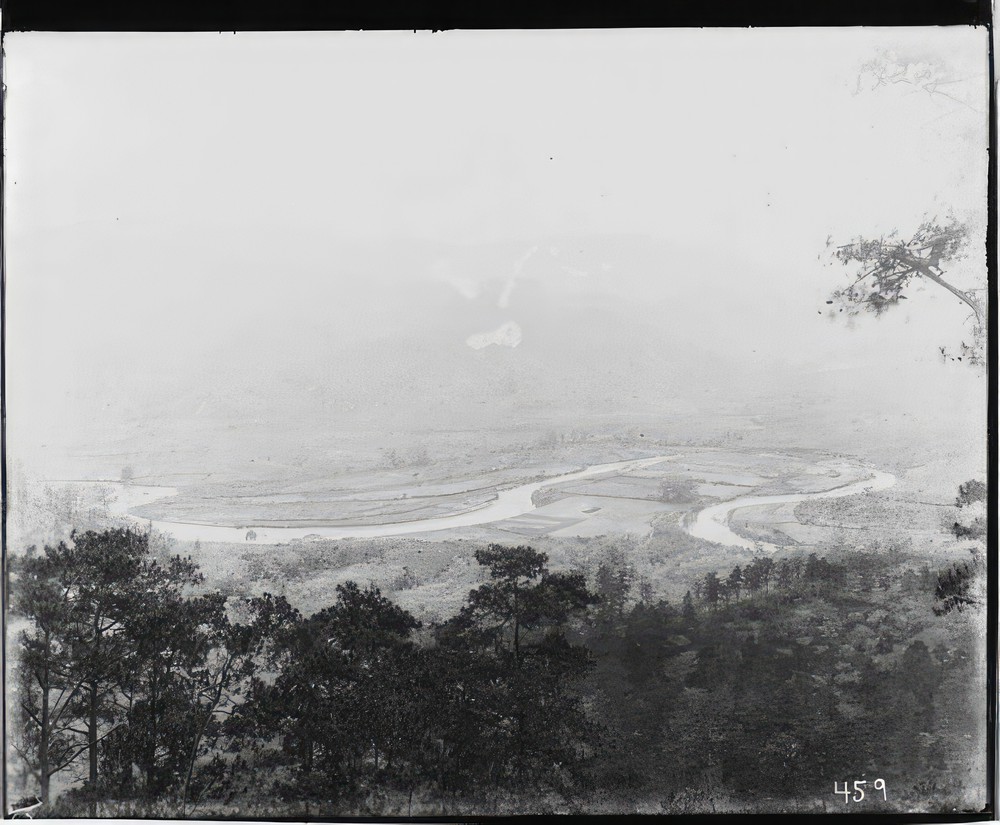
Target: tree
[
  {"x": 76, "y": 597},
  {"x": 762, "y": 567},
  {"x": 614, "y": 586},
  {"x": 369, "y": 635},
  {"x": 752, "y": 581},
  {"x": 43, "y": 684},
  {"x": 889, "y": 264},
  {"x": 646, "y": 591},
  {"x": 228, "y": 662},
  {"x": 109, "y": 570},
  {"x": 631, "y": 692},
  {"x": 962, "y": 584},
  {"x": 119, "y": 662},
  {"x": 344, "y": 702},
  {"x": 959, "y": 585},
  {"x": 518, "y": 667},
  {"x": 711, "y": 588},
  {"x": 735, "y": 582},
  {"x": 521, "y": 596},
  {"x": 976, "y": 530},
  {"x": 786, "y": 572},
  {"x": 166, "y": 639},
  {"x": 970, "y": 493}
]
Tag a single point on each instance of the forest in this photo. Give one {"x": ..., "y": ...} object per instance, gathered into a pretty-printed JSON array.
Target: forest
[{"x": 138, "y": 690}]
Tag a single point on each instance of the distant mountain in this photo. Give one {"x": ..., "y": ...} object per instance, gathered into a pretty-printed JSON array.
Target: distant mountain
[{"x": 277, "y": 355}]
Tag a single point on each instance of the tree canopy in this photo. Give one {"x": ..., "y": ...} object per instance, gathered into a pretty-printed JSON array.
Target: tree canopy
[
  {"x": 579, "y": 686},
  {"x": 888, "y": 265}
]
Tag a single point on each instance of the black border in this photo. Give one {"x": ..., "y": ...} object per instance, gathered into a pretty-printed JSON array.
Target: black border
[
  {"x": 339, "y": 15},
  {"x": 258, "y": 15},
  {"x": 993, "y": 497}
]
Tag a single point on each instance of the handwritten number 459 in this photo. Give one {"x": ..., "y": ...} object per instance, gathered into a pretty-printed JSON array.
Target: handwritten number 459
[{"x": 859, "y": 790}]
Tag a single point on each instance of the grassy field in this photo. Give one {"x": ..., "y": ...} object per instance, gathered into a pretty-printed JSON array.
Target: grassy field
[
  {"x": 640, "y": 512},
  {"x": 638, "y": 516}
]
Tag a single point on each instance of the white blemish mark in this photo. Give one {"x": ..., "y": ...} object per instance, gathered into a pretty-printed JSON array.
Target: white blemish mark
[
  {"x": 504, "y": 300},
  {"x": 506, "y": 335}
]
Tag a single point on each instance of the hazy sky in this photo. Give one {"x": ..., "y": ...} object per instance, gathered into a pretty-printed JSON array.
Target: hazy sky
[{"x": 186, "y": 208}]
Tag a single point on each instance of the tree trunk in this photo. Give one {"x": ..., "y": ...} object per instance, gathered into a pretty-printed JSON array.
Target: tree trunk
[
  {"x": 92, "y": 748},
  {"x": 151, "y": 745},
  {"x": 517, "y": 631},
  {"x": 43, "y": 741},
  {"x": 924, "y": 270}
]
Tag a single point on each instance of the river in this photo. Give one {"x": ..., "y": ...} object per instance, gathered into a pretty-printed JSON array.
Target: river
[
  {"x": 515, "y": 501},
  {"x": 712, "y": 523}
]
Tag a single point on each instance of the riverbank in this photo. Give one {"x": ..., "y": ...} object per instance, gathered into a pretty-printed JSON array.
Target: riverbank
[
  {"x": 712, "y": 523},
  {"x": 625, "y": 496}
]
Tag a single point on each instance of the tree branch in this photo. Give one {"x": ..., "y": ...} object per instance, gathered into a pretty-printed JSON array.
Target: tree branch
[
  {"x": 34, "y": 718},
  {"x": 56, "y": 716},
  {"x": 62, "y": 765},
  {"x": 924, "y": 270}
]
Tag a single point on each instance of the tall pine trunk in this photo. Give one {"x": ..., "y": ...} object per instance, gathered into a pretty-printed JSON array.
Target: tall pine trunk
[
  {"x": 153, "y": 733},
  {"x": 43, "y": 741},
  {"x": 92, "y": 748}
]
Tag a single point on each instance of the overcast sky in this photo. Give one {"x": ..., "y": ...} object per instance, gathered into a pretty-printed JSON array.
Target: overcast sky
[{"x": 180, "y": 200}]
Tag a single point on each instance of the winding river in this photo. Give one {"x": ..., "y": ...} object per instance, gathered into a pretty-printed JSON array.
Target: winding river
[
  {"x": 710, "y": 523},
  {"x": 509, "y": 503}
]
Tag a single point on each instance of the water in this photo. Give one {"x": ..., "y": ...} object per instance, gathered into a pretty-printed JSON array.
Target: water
[
  {"x": 712, "y": 523},
  {"x": 508, "y": 504}
]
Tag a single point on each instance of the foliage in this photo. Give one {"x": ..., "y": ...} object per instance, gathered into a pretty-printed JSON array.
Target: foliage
[
  {"x": 513, "y": 631},
  {"x": 888, "y": 265},
  {"x": 781, "y": 673},
  {"x": 970, "y": 492},
  {"x": 78, "y": 598},
  {"x": 962, "y": 585},
  {"x": 958, "y": 586},
  {"x": 809, "y": 681}
]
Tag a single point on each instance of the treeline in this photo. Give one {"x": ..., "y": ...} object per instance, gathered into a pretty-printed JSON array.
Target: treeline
[
  {"x": 762, "y": 573},
  {"x": 811, "y": 670},
  {"x": 122, "y": 666},
  {"x": 772, "y": 679},
  {"x": 169, "y": 695}
]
